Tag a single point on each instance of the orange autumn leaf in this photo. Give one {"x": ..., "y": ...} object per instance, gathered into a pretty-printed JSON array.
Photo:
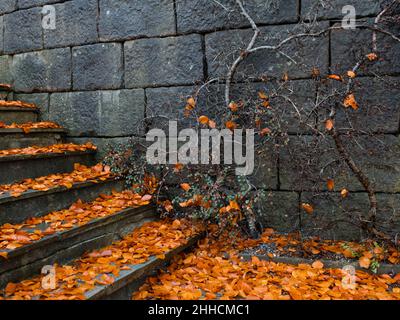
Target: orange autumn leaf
[
  {"x": 351, "y": 74},
  {"x": 317, "y": 264},
  {"x": 329, "y": 124},
  {"x": 262, "y": 95},
  {"x": 212, "y": 124},
  {"x": 178, "y": 167},
  {"x": 265, "y": 131},
  {"x": 230, "y": 125},
  {"x": 185, "y": 186},
  {"x": 4, "y": 255},
  {"x": 307, "y": 208},
  {"x": 364, "y": 262},
  {"x": 233, "y": 107},
  {"x": 330, "y": 184},
  {"x": 350, "y": 101},
  {"x": 335, "y": 77},
  {"x": 203, "y": 120},
  {"x": 147, "y": 197},
  {"x": 344, "y": 193},
  {"x": 372, "y": 56}
]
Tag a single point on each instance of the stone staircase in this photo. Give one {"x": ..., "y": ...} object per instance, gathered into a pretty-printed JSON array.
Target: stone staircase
[{"x": 64, "y": 246}]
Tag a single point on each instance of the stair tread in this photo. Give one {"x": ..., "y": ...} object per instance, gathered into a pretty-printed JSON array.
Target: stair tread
[
  {"x": 6, "y": 87},
  {"x": 46, "y": 152},
  {"x": 17, "y": 104},
  {"x": 104, "y": 271},
  {"x": 81, "y": 176},
  {"x": 55, "y": 223}
]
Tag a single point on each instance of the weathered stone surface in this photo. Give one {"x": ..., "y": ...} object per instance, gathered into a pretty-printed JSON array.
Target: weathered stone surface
[
  {"x": 23, "y": 31},
  {"x": 379, "y": 105},
  {"x": 337, "y": 218},
  {"x": 388, "y": 217},
  {"x": 99, "y": 113},
  {"x": 1, "y": 34},
  {"x": 333, "y": 216},
  {"x": 223, "y": 47},
  {"x": 5, "y": 69},
  {"x": 280, "y": 211},
  {"x": 204, "y": 15},
  {"x": 7, "y": 6},
  {"x": 31, "y": 3},
  {"x": 333, "y": 9},
  {"x": 303, "y": 159},
  {"x": 164, "y": 104},
  {"x": 145, "y": 18},
  {"x": 47, "y": 70},
  {"x": 165, "y": 61},
  {"x": 41, "y": 100},
  {"x": 350, "y": 46},
  {"x": 265, "y": 174},
  {"x": 75, "y": 24},
  {"x": 97, "y": 66}
]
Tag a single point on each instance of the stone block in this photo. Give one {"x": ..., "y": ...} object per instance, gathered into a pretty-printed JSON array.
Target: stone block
[
  {"x": 136, "y": 18},
  {"x": 47, "y": 70},
  {"x": 23, "y": 31},
  {"x": 97, "y": 66},
  {"x": 76, "y": 24},
  {"x": 204, "y": 15},
  {"x": 163, "y": 61}
]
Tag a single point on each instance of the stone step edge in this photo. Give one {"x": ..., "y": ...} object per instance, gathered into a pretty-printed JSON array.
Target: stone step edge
[
  {"x": 5, "y": 131},
  {"x": 27, "y": 157},
  {"x": 7, "y": 198},
  {"x": 328, "y": 264},
  {"x": 63, "y": 236},
  {"x": 18, "y": 109},
  {"x": 138, "y": 272}
]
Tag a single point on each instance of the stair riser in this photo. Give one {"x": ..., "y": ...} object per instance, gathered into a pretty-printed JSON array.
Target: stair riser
[
  {"x": 36, "y": 204},
  {"x": 19, "y": 117},
  {"x": 72, "y": 244},
  {"x": 129, "y": 281},
  {"x": 14, "y": 170},
  {"x": 21, "y": 140}
]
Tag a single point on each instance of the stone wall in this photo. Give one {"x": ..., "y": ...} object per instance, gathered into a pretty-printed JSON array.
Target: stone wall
[{"x": 111, "y": 63}]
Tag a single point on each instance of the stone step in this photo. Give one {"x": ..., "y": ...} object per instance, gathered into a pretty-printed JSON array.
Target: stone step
[
  {"x": 131, "y": 280},
  {"x": 15, "y": 167},
  {"x": 9, "y": 115},
  {"x": 62, "y": 247},
  {"x": 17, "y": 138},
  {"x": 34, "y": 203},
  {"x": 110, "y": 272}
]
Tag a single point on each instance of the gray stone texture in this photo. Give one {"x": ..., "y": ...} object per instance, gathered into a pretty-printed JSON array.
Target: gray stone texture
[
  {"x": 348, "y": 47},
  {"x": 223, "y": 47},
  {"x": 135, "y": 18},
  {"x": 47, "y": 70},
  {"x": 23, "y": 31},
  {"x": 99, "y": 113},
  {"x": 7, "y": 6},
  {"x": 75, "y": 24},
  {"x": 1, "y": 34},
  {"x": 33, "y": 3},
  {"x": 97, "y": 66},
  {"x": 205, "y": 15},
  {"x": 302, "y": 159},
  {"x": 379, "y": 105},
  {"x": 311, "y": 9},
  {"x": 337, "y": 218},
  {"x": 41, "y": 100},
  {"x": 5, "y": 69},
  {"x": 280, "y": 211},
  {"x": 163, "y": 61}
]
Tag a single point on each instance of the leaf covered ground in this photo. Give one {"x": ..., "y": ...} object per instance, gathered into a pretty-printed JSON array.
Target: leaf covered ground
[
  {"x": 101, "y": 267},
  {"x": 55, "y": 148},
  {"x": 215, "y": 270}
]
